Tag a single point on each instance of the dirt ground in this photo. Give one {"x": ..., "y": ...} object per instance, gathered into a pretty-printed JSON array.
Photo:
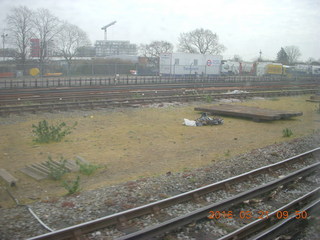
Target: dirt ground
[{"x": 132, "y": 143}]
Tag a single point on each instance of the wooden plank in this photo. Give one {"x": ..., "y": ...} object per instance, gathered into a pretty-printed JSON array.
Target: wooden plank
[
  {"x": 248, "y": 112},
  {"x": 72, "y": 166},
  {"x": 34, "y": 173},
  {"x": 315, "y": 97},
  {"x": 6, "y": 176},
  {"x": 41, "y": 171}
]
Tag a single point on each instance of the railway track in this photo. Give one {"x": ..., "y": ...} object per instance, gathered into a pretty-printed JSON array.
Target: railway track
[
  {"x": 96, "y": 94},
  {"x": 263, "y": 184},
  {"x": 136, "y": 100}
]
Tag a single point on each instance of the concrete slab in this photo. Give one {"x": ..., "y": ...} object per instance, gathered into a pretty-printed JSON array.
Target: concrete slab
[
  {"x": 255, "y": 113},
  {"x": 41, "y": 171},
  {"x": 6, "y": 176}
]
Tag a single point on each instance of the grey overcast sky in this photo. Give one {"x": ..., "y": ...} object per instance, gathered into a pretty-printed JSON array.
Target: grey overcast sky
[{"x": 243, "y": 26}]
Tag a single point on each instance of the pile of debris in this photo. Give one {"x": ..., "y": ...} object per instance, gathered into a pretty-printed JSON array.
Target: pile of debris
[{"x": 204, "y": 120}]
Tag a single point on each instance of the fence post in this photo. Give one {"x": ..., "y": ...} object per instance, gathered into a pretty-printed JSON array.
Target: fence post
[{"x": 36, "y": 83}]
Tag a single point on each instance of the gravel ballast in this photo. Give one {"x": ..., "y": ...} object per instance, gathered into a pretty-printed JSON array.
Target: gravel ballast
[{"x": 57, "y": 213}]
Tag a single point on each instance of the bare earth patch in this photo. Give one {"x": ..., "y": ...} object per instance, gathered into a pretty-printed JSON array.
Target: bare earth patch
[{"x": 130, "y": 143}]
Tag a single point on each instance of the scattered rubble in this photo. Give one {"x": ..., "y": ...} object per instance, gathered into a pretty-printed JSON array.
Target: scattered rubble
[
  {"x": 204, "y": 120},
  {"x": 236, "y": 92}
]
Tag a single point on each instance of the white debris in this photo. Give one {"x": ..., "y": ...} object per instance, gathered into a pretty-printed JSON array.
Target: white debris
[
  {"x": 189, "y": 123},
  {"x": 236, "y": 92}
]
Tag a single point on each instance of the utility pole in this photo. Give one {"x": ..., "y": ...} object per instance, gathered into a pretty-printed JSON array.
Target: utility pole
[
  {"x": 105, "y": 29},
  {"x": 4, "y": 35},
  {"x": 260, "y": 59}
]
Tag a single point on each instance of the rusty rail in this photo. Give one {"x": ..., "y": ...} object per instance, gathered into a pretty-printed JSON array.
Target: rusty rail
[
  {"x": 120, "y": 102},
  {"x": 273, "y": 226},
  {"x": 123, "y": 217},
  {"x": 201, "y": 213}
]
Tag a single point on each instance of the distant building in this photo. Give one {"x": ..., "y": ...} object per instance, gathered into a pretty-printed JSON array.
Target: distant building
[
  {"x": 86, "y": 51},
  {"x": 110, "y": 48}
]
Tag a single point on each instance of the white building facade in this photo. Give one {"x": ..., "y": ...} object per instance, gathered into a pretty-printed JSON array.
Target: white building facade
[
  {"x": 110, "y": 48},
  {"x": 189, "y": 64}
]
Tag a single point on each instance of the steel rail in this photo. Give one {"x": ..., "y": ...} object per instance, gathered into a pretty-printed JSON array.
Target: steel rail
[
  {"x": 133, "y": 101},
  {"x": 278, "y": 228},
  {"x": 123, "y": 217},
  {"x": 166, "y": 86},
  {"x": 271, "y": 219},
  {"x": 172, "y": 224},
  {"x": 78, "y": 96}
]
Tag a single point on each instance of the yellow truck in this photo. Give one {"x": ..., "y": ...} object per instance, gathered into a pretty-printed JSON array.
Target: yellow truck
[{"x": 274, "y": 69}]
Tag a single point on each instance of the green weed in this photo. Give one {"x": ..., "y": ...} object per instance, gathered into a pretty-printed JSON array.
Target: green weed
[
  {"x": 318, "y": 109},
  {"x": 286, "y": 132},
  {"x": 87, "y": 168},
  {"x": 208, "y": 98},
  {"x": 227, "y": 153},
  {"x": 72, "y": 186},
  {"x": 56, "y": 170},
  {"x": 45, "y": 133},
  {"x": 137, "y": 95}
]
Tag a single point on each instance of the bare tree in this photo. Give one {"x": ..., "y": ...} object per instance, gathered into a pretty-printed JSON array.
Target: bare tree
[
  {"x": 293, "y": 54},
  {"x": 20, "y": 30},
  {"x": 46, "y": 27},
  {"x": 69, "y": 40},
  {"x": 200, "y": 41},
  {"x": 153, "y": 50}
]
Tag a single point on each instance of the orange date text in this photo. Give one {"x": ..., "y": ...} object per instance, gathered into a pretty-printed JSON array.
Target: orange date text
[{"x": 255, "y": 214}]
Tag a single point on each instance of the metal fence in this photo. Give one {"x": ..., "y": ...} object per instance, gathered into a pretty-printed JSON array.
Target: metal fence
[
  {"x": 138, "y": 80},
  {"x": 77, "y": 69}
]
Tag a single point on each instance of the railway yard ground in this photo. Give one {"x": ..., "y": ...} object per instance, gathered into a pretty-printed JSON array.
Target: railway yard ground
[{"x": 145, "y": 154}]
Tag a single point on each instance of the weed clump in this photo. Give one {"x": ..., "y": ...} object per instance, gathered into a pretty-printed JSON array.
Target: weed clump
[
  {"x": 56, "y": 170},
  {"x": 87, "y": 168},
  {"x": 287, "y": 132},
  {"x": 45, "y": 133},
  {"x": 318, "y": 109},
  {"x": 208, "y": 98},
  {"x": 73, "y": 186}
]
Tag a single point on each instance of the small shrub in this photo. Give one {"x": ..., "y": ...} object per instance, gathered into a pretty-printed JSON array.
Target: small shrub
[
  {"x": 286, "y": 132},
  {"x": 87, "y": 168},
  {"x": 73, "y": 186},
  {"x": 45, "y": 133},
  {"x": 208, "y": 98},
  {"x": 137, "y": 95},
  {"x": 318, "y": 109},
  {"x": 56, "y": 171},
  {"x": 227, "y": 153}
]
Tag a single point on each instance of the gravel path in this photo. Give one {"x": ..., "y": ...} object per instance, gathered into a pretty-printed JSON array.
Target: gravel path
[{"x": 17, "y": 223}]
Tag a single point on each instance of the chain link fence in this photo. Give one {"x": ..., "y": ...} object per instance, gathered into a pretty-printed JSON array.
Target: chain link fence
[{"x": 77, "y": 69}]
